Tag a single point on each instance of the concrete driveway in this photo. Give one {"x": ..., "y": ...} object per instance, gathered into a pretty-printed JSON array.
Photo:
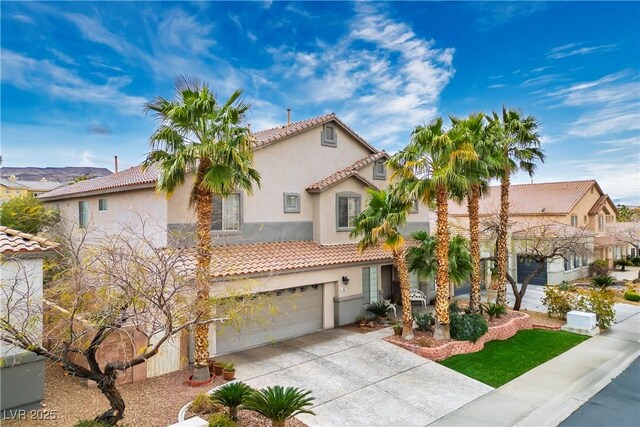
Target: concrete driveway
[{"x": 359, "y": 379}]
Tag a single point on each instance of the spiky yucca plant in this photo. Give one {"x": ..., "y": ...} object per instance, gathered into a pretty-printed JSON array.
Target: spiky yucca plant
[{"x": 279, "y": 403}]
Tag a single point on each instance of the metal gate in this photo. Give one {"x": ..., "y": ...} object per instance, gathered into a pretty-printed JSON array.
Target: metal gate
[{"x": 168, "y": 358}]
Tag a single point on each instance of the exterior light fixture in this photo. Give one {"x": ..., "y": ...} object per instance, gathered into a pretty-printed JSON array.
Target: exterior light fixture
[{"x": 345, "y": 280}]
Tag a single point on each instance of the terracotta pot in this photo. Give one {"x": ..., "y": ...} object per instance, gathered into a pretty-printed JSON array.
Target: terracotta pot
[
  {"x": 212, "y": 367},
  {"x": 228, "y": 375},
  {"x": 217, "y": 369}
]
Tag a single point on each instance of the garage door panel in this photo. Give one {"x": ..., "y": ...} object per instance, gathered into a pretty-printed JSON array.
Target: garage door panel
[
  {"x": 287, "y": 314},
  {"x": 526, "y": 266}
]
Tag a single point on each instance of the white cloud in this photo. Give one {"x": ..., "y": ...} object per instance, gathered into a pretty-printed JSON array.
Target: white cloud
[
  {"x": 607, "y": 121},
  {"x": 497, "y": 86},
  {"x": 381, "y": 76},
  {"x": 62, "y": 57},
  {"x": 41, "y": 75},
  {"x": 573, "y": 49},
  {"x": 23, "y": 18},
  {"x": 252, "y": 36}
]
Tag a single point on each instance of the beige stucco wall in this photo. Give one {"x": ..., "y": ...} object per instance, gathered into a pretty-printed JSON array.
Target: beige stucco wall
[
  {"x": 124, "y": 209},
  {"x": 290, "y": 165}
]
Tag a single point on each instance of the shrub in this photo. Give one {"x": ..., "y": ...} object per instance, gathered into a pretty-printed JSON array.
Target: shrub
[
  {"x": 202, "y": 404},
  {"x": 454, "y": 308},
  {"x": 492, "y": 310},
  {"x": 603, "y": 281},
  {"x": 426, "y": 342},
  {"x": 599, "y": 267},
  {"x": 424, "y": 321},
  {"x": 565, "y": 286},
  {"x": 379, "y": 308},
  {"x": 631, "y": 296},
  {"x": 279, "y": 404},
  {"x": 558, "y": 302},
  {"x": 231, "y": 395},
  {"x": 468, "y": 327},
  {"x": 635, "y": 260},
  {"x": 221, "y": 420},
  {"x": 600, "y": 302},
  {"x": 622, "y": 263}
]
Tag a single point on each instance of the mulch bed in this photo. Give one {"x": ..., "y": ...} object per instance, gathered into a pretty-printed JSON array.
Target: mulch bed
[
  {"x": 419, "y": 336},
  {"x": 369, "y": 327},
  {"x": 253, "y": 419}
]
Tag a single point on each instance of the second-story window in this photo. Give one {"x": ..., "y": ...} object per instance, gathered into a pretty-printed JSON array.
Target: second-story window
[
  {"x": 379, "y": 170},
  {"x": 600, "y": 222},
  {"x": 102, "y": 204},
  {"x": 347, "y": 210},
  {"x": 329, "y": 136},
  {"x": 574, "y": 220},
  {"x": 291, "y": 203},
  {"x": 83, "y": 214},
  {"x": 226, "y": 213}
]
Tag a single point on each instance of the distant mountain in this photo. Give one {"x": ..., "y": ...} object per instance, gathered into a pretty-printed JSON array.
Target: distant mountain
[{"x": 53, "y": 174}]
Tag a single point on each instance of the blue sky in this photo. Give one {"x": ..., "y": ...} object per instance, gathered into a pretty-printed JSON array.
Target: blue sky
[{"x": 75, "y": 75}]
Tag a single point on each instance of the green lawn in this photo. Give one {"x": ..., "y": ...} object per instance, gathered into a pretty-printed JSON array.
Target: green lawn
[{"x": 501, "y": 361}]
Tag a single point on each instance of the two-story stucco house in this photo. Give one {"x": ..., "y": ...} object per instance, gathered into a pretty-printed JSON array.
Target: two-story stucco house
[
  {"x": 578, "y": 204},
  {"x": 290, "y": 238}
]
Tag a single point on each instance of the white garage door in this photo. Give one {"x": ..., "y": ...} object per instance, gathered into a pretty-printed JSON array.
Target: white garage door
[{"x": 289, "y": 313}]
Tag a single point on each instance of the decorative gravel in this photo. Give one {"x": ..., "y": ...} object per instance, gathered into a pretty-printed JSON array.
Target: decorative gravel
[
  {"x": 253, "y": 419},
  {"x": 152, "y": 403}
]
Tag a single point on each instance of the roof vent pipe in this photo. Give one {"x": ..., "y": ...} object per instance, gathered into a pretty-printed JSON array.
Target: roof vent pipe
[
  {"x": 288, "y": 117},
  {"x": 115, "y": 161}
]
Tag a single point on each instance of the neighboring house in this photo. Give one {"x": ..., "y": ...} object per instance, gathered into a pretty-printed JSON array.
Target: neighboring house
[
  {"x": 289, "y": 239},
  {"x": 21, "y": 372},
  {"x": 12, "y": 187},
  {"x": 578, "y": 204},
  {"x": 625, "y": 233}
]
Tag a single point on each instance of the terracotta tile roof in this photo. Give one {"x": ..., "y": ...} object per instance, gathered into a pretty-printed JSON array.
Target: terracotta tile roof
[
  {"x": 261, "y": 258},
  {"x": 12, "y": 184},
  {"x": 349, "y": 171},
  {"x": 14, "y": 241},
  {"x": 523, "y": 229},
  {"x": 269, "y": 136},
  {"x": 134, "y": 176},
  {"x": 604, "y": 241},
  {"x": 531, "y": 199}
]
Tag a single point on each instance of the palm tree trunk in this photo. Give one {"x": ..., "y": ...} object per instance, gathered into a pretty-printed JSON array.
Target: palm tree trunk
[
  {"x": 502, "y": 238},
  {"x": 442, "y": 254},
  {"x": 204, "y": 219},
  {"x": 399, "y": 259},
  {"x": 474, "y": 235}
]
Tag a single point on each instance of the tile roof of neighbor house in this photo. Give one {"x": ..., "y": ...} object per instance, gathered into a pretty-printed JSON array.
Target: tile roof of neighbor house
[
  {"x": 532, "y": 199},
  {"x": 14, "y": 241},
  {"x": 131, "y": 177},
  {"x": 349, "y": 171},
  {"x": 12, "y": 184},
  {"x": 263, "y": 258},
  {"x": 269, "y": 136},
  {"x": 41, "y": 185}
]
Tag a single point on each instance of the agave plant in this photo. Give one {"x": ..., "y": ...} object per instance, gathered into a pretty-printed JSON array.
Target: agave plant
[
  {"x": 279, "y": 404},
  {"x": 603, "y": 281},
  {"x": 232, "y": 395},
  {"x": 379, "y": 308}
]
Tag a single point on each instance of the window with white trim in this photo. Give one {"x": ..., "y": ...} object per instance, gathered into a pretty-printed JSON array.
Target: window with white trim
[
  {"x": 348, "y": 208},
  {"x": 567, "y": 264},
  {"x": 83, "y": 214},
  {"x": 576, "y": 261},
  {"x": 574, "y": 220},
  {"x": 226, "y": 213},
  {"x": 102, "y": 204},
  {"x": 291, "y": 202},
  {"x": 600, "y": 222}
]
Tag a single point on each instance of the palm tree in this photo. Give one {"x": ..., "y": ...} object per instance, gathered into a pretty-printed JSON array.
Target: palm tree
[
  {"x": 518, "y": 144},
  {"x": 378, "y": 224},
  {"x": 428, "y": 170},
  {"x": 422, "y": 258},
  {"x": 478, "y": 172},
  {"x": 196, "y": 134},
  {"x": 279, "y": 404}
]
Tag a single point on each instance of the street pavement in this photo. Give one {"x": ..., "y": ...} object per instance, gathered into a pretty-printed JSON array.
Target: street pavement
[{"x": 618, "y": 404}]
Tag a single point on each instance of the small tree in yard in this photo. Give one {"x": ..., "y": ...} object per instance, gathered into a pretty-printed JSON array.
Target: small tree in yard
[
  {"x": 542, "y": 242},
  {"x": 121, "y": 288},
  {"x": 27, "y": 214}
]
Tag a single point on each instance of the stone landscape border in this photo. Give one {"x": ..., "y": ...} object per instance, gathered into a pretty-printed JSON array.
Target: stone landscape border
[{"x": 451, "y": 348}]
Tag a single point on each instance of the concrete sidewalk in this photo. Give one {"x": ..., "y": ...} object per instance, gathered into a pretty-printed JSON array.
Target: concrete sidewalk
[{"x": 548, "y": 394}]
